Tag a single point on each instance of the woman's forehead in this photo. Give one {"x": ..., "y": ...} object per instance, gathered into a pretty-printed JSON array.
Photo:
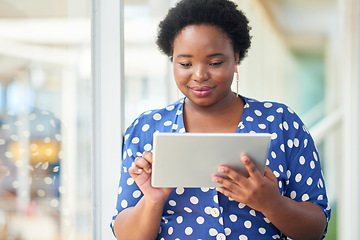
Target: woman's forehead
[
  {"x": 193, "y": 29},
  {"x": 201, "y": 36}
]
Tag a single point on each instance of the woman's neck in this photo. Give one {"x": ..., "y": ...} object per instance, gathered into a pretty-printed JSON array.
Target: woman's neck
[{"x": 222, "y": 117}]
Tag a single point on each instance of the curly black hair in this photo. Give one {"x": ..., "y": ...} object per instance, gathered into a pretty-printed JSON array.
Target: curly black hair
[{"x": 219, "y": 13}]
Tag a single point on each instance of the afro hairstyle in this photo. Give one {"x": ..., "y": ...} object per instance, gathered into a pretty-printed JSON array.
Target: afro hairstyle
[{"x": 219, "y": 13}]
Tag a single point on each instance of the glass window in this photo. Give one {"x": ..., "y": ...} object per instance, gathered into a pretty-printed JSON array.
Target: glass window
[
  {"x": 45, "y": 113},
  {"x": 149, "y": 81}
]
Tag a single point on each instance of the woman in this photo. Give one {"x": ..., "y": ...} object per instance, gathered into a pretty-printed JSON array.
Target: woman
[{"x": 206, "y": 40}]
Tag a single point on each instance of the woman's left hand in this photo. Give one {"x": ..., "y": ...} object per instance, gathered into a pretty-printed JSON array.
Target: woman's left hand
[{"x": 257, "y": 191}]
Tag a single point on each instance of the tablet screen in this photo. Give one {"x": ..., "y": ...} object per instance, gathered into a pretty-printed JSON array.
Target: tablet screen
[{"x": 190, "y": 159}]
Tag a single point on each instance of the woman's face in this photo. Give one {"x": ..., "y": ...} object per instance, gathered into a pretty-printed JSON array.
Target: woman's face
[{"x": 203, "y": 63}]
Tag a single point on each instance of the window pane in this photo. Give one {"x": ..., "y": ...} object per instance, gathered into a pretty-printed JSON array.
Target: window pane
[
  {"x": 45, "y": 113},
  {"x": 149, "y": 81}
]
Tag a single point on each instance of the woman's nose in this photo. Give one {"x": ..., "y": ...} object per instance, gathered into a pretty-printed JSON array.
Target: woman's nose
[{"x": 201, "y": 74}]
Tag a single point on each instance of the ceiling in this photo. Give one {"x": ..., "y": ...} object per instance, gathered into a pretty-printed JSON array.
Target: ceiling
[
  {"x": 298, "y": 19},
  {"x": 294, "y": 17},
  {"x": 40, "y": 30},
  {"x": 304, "y": 23},
  {"x": 44, "y": 8}
]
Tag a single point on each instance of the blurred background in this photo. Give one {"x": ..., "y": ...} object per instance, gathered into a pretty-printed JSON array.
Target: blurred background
[{"x": 304, "y": 53}]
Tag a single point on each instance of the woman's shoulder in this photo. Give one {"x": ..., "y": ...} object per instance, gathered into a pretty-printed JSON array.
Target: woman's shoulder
[
  {"x": 272, "y": 112},
  {"x": 153, "y": 118},
  {"x": 252, "y": 102},
  {"x": 162, "y": 114},
  {"x": 269, "y": 107},
  {"x": 279, "y": 117}
]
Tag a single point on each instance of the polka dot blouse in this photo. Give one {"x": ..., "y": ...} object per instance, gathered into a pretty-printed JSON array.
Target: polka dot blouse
[{"x": 204, "y": 213}]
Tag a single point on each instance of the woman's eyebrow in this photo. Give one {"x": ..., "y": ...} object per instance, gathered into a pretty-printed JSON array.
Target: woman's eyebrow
[
  {"x": 208, "y": 56},
  {"x": 185, "y": 55},
  {"x": 214, "y": 55}
]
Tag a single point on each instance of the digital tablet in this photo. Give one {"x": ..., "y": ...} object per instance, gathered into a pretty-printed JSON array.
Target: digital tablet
[{"x": 190, "y": 159}]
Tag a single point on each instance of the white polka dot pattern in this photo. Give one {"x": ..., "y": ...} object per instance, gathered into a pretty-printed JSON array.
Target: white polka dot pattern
[{"x": 203, "y": 213}]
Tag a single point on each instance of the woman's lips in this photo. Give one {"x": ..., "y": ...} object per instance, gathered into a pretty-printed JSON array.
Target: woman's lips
[{"x": 201, "y": 91}]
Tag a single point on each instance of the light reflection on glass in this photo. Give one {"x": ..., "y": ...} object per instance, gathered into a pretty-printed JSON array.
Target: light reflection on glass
[{"x": 45, "y": 76}]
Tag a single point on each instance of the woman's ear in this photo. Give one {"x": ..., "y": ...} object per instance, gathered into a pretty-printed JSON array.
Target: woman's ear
[{"x": 237, "y": 56}]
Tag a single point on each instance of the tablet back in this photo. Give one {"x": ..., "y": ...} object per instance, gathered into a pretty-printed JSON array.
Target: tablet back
[{"x": 190, "y": 159}]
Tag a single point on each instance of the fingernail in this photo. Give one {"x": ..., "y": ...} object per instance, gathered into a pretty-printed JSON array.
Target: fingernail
[
  {"x": 139, "y": 171},
  {"x": 222, "y": 170},
  {"x": 245, "y": 159},
  {"x": 215, "y": 179}
]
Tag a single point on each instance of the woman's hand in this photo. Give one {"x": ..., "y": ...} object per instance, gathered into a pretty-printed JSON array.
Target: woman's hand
[
  {"x": 256, "y": 191},
  {"x": 297, "y": 220},
  {"x": 141, "y": 173},
  {"x": 143, "y": 220}
]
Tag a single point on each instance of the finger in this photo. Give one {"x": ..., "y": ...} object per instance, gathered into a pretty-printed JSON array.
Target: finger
[
  {"x": 232, "y": 174},
  {"x": 228, "y": 183},
  {"x": 270, "y": 175},
  {"x": 227, "y": 192},
  {"x": 251, "y": 168},
  {"x": 139, "y": 175},
  {"x": 134, "y": 170},
  {"x": 148, "y": 156},
  {"x": 141, "y": 162}
]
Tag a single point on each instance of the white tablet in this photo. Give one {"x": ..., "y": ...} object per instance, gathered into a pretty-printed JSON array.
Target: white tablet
[{"x": 190, "y": 159}]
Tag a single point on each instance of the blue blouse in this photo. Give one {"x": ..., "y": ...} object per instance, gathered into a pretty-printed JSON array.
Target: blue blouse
[{"x": 204, "y": 213}]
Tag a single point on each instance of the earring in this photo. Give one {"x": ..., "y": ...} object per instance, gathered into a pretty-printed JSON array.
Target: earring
[{"x": 237, "y": 80}]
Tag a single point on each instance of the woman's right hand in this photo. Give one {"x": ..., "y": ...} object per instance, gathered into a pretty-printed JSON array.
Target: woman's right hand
[
  {"x": 141, "y": 173},
  {"x": 143, "y": 220}
]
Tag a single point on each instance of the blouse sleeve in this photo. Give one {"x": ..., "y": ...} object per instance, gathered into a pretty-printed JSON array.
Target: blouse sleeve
[
  {"x": 128, "y": 192},
  {"x": 139, "y": 138},
  {"x": 305, "y": 180}
]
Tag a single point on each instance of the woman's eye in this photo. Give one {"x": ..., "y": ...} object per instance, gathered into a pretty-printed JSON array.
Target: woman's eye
[
  {"x": 185, "y": 64},
  {"x": 216, "y": 63}
]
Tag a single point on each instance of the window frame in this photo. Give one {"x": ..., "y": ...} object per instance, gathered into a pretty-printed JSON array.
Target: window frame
[{"x": 107, "y": 105}]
